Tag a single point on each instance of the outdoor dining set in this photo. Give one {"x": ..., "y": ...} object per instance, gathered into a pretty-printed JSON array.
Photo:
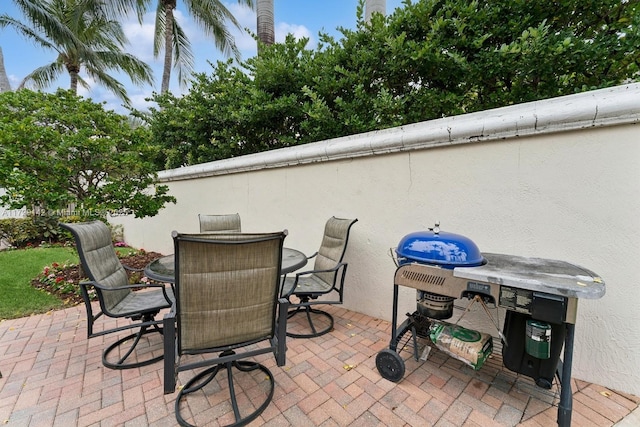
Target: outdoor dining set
[{"x": 225, "y": 296}]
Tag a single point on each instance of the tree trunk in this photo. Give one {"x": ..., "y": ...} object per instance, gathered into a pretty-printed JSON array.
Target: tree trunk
[
  {"x": 266, "y": 29},
  {"x": 74, "y": 70},
  {"x": 5, "y": 86},
  {"x": 372, "y": 6},
  {"x": 74, "y": 82},
  {"x": 168, "y": 45}
]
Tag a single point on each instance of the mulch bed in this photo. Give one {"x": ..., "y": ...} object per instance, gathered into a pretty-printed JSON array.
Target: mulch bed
[{"x": 74, "y": 273}]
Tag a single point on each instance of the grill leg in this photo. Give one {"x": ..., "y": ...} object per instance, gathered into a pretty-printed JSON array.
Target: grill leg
[
  {"x": 566, "y": 397},
  {"x": 394, "y": 319}
]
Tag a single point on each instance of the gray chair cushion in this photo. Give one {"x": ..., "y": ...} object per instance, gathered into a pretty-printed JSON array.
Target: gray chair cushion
[
  {"x": 141, "y": 301},
  {"x": 99, "y": 260},
  {"x": 227, "y": 288},
  {"x": 306, "y": 284},
  {"x": 332, "y": 248},
  {"x": 226, "y": 223}
]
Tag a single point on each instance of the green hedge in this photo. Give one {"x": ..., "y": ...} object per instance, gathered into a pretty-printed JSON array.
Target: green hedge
[{"x": 33, "y": 230}]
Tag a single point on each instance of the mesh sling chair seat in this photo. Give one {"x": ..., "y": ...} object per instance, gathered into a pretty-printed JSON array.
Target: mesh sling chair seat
[
  {"x": 225, "y": 223},
  {"x": 327, "y": 277},
  {"x": 117, "y": 298},
  {"x": 227, "y": 303}
]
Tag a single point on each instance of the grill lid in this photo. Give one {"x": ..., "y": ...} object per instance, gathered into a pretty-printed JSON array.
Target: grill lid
[{"x": 439, "y": 247}]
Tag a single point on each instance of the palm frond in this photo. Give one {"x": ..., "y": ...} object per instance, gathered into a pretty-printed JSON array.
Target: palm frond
[
  {"x": 26, "y": 31},
  {"x": 160, "y": 25},
  {"x": 138, "y": 71},
  {"x": 211, "y": 17},
  {"x": 105, "y": 33},
  {"x": 43, "y": 77},
  {"x": 182, "y": 54},
  {"x": 109, "y": 82},
  {"x": 43, "y": 18},
  {"x": 85, "y": 84},
  {"x": 114, "y": 9},
  {"x": 86, "y": 36}
]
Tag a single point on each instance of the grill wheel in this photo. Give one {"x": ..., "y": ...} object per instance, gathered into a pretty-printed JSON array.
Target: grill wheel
[{"x": 390, "y": 365}]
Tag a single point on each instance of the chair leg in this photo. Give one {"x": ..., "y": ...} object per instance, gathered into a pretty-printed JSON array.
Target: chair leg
[
  {"x": 308, "y": 311},
  {"x": 205, "y": 377},
  {"x": 169, "y": 329},
  {"x": 120, "y": 364}
]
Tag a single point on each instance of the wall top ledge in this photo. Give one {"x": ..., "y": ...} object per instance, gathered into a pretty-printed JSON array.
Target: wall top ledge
[{"x": 604, "y": 107}]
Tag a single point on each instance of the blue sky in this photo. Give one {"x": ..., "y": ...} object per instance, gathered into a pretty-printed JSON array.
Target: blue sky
[{"x": 303, "y": 18}]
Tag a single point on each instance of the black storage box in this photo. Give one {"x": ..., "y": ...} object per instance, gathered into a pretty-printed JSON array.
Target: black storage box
[{"x": 514, "y": 354}]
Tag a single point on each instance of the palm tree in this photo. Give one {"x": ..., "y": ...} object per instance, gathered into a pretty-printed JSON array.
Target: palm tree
[
  {"x": 210, "y": 15},
  {"x": 374, "y": 6},
  {"x": 265, "y": 20},
  {"x": 265, "y": 24},
  {"x": 5, "y": 86},
  {"x": 85, "y": 37}
]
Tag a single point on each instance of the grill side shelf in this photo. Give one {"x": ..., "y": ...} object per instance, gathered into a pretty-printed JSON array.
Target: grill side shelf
[{"x": 536, "y": 274}]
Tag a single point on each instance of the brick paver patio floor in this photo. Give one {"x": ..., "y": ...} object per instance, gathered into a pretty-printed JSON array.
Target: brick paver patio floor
[{"x": 53, "y": 376}]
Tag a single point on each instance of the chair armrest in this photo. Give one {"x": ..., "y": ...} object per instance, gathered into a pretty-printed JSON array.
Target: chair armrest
[
  {"x": 136, "y": 286},
  {"x": 329, "y": 270},
  {"x": 117, "y": 288},
  {"x": 334, "y": 269},
  {"x": 304, "y": 273}
]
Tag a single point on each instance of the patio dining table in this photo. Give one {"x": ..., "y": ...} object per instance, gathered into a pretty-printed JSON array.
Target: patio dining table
[{"x": 163, "y": 269}]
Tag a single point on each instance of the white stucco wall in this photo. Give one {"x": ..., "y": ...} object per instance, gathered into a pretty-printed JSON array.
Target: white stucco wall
[{"x": 552, "y": 179}]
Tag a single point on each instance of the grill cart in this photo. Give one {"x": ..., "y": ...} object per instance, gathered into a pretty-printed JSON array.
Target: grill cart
[{"x": 540, "y": 297}]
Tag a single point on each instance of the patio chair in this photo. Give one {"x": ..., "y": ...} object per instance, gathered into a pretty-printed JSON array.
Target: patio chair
[
  {"x": 226, "y": 303},
  {"x": 226, "y": 223},
  {"x": 327, "y": 277},
  {"x": 117, "y": 299}
]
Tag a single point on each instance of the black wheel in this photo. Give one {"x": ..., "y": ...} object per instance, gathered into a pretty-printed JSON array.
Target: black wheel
[{"x": 390, "y": 365}]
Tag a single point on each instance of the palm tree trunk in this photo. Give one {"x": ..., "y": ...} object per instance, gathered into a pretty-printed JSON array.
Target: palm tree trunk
[
  {"x": 73, "y": 69},
  {"x": 170, "y": 5},
  {"x": 266, "y": 29},
  {"x": 74, "y": 82},
  {"x": 5, "y": 86},
  {"x": 372, "y": 6}
]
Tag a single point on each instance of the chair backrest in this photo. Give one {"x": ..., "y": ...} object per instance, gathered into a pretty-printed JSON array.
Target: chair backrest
[
  {"x": 99, "y": 259},
  {"x": 227, "y": 223},
  {"x": 333, "y": 246},
  {"x": 226, "y": 288}
]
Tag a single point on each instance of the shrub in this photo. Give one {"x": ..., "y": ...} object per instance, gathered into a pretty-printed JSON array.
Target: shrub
[{"x": 33, "y": 231}]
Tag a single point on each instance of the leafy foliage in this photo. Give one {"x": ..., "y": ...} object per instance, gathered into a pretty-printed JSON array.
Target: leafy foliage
[
  {"x": 430, "y": 59},
  {"x": 32, "y": 230},
  {"x": 85, "y": 38},
  {"x": 229, "y": 114},
  {"x": 63, "y": 279},
  {"x": 60, "y": 150}
]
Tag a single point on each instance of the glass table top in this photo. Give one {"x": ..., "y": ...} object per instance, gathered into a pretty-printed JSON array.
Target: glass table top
[{"x": 163, "y": 269}]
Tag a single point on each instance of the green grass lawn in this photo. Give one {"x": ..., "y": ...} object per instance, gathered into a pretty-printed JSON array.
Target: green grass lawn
[{"x": 17, "y": 267}]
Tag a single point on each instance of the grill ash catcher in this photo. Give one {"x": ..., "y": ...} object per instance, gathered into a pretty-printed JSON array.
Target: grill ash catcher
[{"x": 540, "y": 297}]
